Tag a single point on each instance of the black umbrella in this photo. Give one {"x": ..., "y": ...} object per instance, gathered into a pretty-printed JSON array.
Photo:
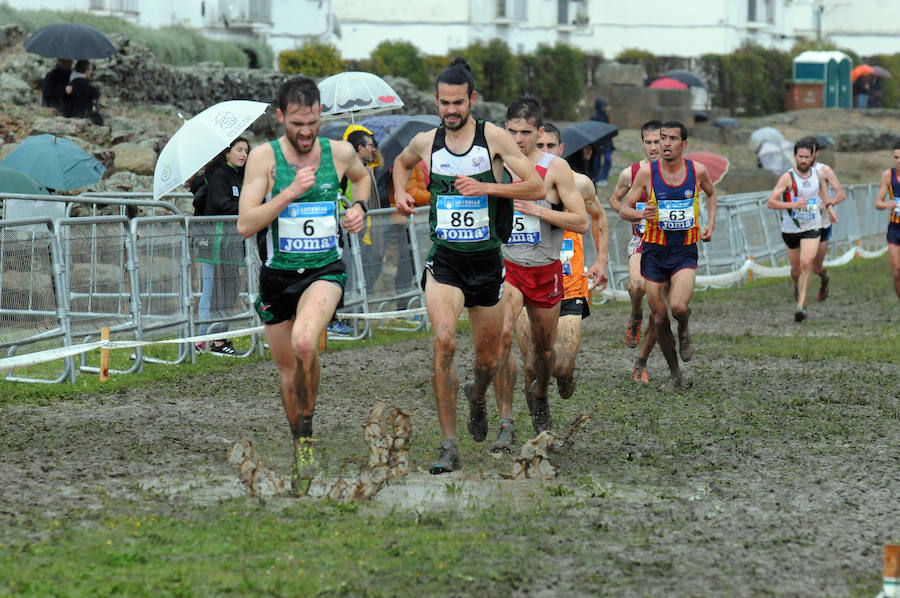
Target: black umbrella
[
  {"x": 70, "y": 40},
  {"x": 334, "y": 129},
  {"x": 686, "y": 77},
  {"x": 585, "y": 133},
  {"x": 726, "y": 122},
  {"x": 400, "y": 137}
]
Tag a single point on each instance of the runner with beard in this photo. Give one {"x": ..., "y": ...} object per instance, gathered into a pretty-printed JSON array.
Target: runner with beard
[
  {"x": 831, "y": 182},
  {"x": 800, "y": 193},
  {"x": 669, "y": 245},
  {"x": 650, "y": 146},
  {"x": 290, "y": 201},
  {"x": 470, "y": 218}
]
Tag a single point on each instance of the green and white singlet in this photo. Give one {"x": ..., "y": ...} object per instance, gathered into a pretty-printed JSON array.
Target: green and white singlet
[
  {"x": 305, "y": 234},
  {"x": 466, "y": 224}
]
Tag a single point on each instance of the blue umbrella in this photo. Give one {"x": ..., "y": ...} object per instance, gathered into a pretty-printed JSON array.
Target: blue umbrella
[
  {"x": 55, "y": 162},
  {"x": 13, "y": 181},
  {"x": 381, "y": 126},
  {"x": 70, "y": 40}
]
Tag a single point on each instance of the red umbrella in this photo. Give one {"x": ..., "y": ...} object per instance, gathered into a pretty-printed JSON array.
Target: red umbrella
[
  {"x": 716, "y": 164},
  {"x": 859, "y": 71},
  {"x": 668, "y": 83}
]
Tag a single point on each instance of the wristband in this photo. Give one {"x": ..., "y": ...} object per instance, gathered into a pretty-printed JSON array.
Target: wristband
[
  {"x": 828, "y": 205},
  {"x": 363, "y": 205}
]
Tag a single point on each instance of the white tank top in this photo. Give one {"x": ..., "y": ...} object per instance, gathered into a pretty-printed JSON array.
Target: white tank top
[{"x": 810, "y": 217}]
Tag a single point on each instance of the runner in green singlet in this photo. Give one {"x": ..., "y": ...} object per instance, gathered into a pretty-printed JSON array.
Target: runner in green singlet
[
  {"x": 290, "y": 201},
  {"x": 470, "y": 218}
]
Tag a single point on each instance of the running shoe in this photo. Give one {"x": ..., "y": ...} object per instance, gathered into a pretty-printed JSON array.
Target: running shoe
[
  {"x": 566, "y": 386},
  {"x": 225, "y": 349},
  {"x": 506, "y": 439},
  {"x": 448, "y": 458},
  {"x": 823, "y": 289},
  {"x": 201, "y": 346},
  {"x": 640, "y": 373},
  {"x": 339, "y": 327},
  {"x": 303, "y": 466},
  {"x": 478, "y": 425},
  {"x": 800, "y": 314},
  {"x": 540, "y": 415},
  {"x": 685, "y": 347},
  {"x": 633, "y": 332}
]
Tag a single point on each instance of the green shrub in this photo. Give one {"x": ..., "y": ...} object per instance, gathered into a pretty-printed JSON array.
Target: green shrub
[
  {"x": 495, "y": 68},
  {"x": 891, "y": 88},
  {"x": 750, "y": 81},
  {"x": 401, "y": 59},
  {"x": 555, "y": 76},
  {"x": 313, "y": 59},
  {"x": 641, "y": 57}
]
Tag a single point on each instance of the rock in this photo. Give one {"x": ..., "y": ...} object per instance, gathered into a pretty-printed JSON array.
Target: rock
[
  {"x": 134, "y": 157},
  {"x": 14, "y": 90}
]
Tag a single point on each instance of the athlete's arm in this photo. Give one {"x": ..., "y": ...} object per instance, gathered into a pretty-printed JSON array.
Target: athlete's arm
[
  {"x": 530, "y": 187},
  {"x": 781, "y": 187},
  {"x": 574, "y": 217},
  {"x": 627, "y": 209},
  {"x": 347, "y": 163},
  {"x": 712, "y": 201},
  {"x": 259, "y": 177},
  {"x": 411, "y": 155},
  {"x": 599, "y": 230},
  {"x": 880, "y": 203},
  {"x": 621, "y": 188},
  {"x": 832, "y": 181}
]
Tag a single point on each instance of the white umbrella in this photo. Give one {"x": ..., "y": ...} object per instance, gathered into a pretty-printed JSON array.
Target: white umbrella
[
  {"x": 356, "y": 93},
  {"x": 200, "y": 139}
]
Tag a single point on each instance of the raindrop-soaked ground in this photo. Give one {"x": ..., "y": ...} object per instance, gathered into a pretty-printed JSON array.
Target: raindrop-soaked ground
[{"x": 769, "y": 475}]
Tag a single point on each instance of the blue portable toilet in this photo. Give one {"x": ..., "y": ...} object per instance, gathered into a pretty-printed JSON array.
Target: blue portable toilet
[{"x": 831, "y": 69}]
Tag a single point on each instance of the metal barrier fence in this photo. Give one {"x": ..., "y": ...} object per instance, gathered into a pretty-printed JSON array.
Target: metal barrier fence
[{"x": 167, "y": 275}]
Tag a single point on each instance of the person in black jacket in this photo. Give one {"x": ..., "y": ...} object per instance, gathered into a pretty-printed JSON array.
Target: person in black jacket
[
  {"x": 53, "y": 90},
  {"x": 81, "y": 93},
  {"x": 220, "y": 248}
]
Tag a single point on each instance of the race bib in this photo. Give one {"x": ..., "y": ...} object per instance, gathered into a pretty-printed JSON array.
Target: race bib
[
  {"x": 526, "y": 230},
  {"x": 307, "y": 227},
  {"x": 810, "y": 211},
  {"x": 462, "y": 219},
  {"x": 639, "y": 227},
  {"x": 566, "y": 254},
  {"x": 676, "y": 214},
  {"x": 897, "y": 211}
]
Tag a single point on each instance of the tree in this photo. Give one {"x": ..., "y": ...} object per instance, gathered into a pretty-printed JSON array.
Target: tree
[
  {"x": 495, "y": 68},
  {"x": 401, "y": 59},
  {"x": 555, "y": 75},
  {"x": 313, "y": 59}
]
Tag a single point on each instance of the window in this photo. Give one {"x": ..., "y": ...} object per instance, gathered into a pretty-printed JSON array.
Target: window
[
  {"x": 563, "y": 13},
  {"x": 512, "y": 9},
  {"x": 751, "y": 10}
]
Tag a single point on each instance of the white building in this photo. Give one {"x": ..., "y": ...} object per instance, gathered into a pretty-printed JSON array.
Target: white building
[{"x": 663, "y": 27}]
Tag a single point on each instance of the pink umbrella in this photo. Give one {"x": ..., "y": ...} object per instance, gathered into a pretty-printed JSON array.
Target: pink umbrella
[
  {"x": 880, "y": 71},
  {"x": 668, "y": 83},
  {"x": 716, "y": 164}
]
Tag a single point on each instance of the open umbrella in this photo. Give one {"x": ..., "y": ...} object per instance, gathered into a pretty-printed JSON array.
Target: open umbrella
[
  {"x": 333, "y": 129},
  {"x": 70, "y": 40},
  {"x": 763, "y": 134},
  {"x": 14, "y": 181},
  {"x": 55, "y": 162},
  {"x": 356, "y": 93},
  {"x": 778, "y": 157},
  {"x": 880, "y": 71},
  {"x": 668, "y": 83},
  {"x": 716, "y": 164},
  {"x": 200, "y": 139},
  {"x": 686, "y": 77},
  {"x": 400, "y": 137},
  {"x": 726, "y": 122},
  {"x": 861, "y": 70},
  {"x": 585, "y": 133},
  {"x": 381, "y": 125}
]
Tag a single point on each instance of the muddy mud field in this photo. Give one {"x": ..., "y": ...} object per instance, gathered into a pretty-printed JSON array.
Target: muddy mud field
[{"x": 776, "y": 473}]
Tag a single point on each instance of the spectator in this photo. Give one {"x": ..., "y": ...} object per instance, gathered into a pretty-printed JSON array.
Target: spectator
[
  {"x": 603, "y": 152},
  {"x": 861, "y": 91},
  {"x": 582, "y": 162},
  {"x": 81, "y": 93},
  {"x": 220, "y": 248},
  {"x": 876, "y": 93},
  {"x": 53, "y": 90}
]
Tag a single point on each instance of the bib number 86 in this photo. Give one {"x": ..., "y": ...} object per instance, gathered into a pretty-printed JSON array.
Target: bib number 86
[{"x": 458, "y": 219}]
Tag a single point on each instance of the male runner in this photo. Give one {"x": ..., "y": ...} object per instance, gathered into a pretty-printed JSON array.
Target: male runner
[
  {"x": 669, "y": 246},
  {"x": 470, "y": 218},
  {"x": 800, "y": 193},
  {"x": 290, "y": 198},
  {"x": 887, "y": 200},
  {"x": 650, "y": 146},
  {"x": 575, "y": 305},
  {"x": 831, "y": 182},
  {"x": 534, "y": 277}
]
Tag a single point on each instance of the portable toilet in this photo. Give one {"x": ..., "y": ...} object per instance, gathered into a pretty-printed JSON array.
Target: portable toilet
[{"x": 828, "y": 70}]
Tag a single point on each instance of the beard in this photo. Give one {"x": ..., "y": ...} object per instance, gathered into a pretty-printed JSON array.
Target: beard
[
  {"x": 462, "y": 121},
  {"x": 803, "y": 169},
  {"x": 295, "y": 143}
]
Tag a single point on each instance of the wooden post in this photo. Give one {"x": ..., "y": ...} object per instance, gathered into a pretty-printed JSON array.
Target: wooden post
[
  {"x": 891, "y": 571},
  {"x": 323, "y": 340},
  {"x": 104, "y": 356},
  {"x": 750, "y": 271}
]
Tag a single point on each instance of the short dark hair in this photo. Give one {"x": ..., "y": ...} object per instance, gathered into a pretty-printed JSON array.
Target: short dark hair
[
  {"x": 650, "y": 125},
  {"x": 551, "y": 128},
  {"x": 457, "y": 72},
  {"x": 358, "y": 138},
  {"x": 298, "y": 90},
  {"x": 674, "y": 124},
  {"x": 82, "y": 66},
  {"x": 805, "y": 143},
  {"x": 812, "y": 140},
  {"x": 897, "y": 145},
  {"x": 527, "y": 108}
]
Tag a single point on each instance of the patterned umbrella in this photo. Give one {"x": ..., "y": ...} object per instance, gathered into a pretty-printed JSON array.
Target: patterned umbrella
[{"x": 357, "y": 93}]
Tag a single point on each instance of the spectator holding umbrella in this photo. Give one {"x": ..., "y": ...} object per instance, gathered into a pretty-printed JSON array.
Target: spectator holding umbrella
[
  {"x": 53, "y": 90},
  {"x": 602, "y": 159},
  {"x": 82, "y": 94}
]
